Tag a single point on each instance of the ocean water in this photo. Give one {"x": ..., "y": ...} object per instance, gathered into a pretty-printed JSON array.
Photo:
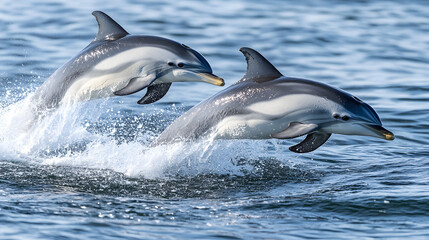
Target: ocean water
[{"x": 86, "y": 171}]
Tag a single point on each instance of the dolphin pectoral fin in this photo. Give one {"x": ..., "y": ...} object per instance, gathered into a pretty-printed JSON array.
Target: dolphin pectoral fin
[
  {"x": 259, "y": 69},
  {"x": 296, "y": 129},
  {"x": 108, "y": 29},
  {"x": 136, "y": 84},
  {"x": 311, "y": 142},
  {"x": 154, "y": 93}
]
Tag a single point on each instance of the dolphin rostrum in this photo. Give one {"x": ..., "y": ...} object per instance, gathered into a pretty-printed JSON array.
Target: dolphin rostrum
[
  {"x": 265, "y": 104},
  {"x": 117, "y": 63}
]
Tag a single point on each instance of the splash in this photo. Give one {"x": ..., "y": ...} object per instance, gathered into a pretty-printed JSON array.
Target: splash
[
  {"x": 97, "y": 134},
  {"x": 136, "y": 159},
  {"x": 27, "y": 133}
]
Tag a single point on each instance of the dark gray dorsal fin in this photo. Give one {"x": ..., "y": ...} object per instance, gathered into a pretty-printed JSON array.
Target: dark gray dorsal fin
[
  {"x": 311, "y": 142},
  {"x": 259, "y": 69},
  {"x": 154, "y": 93},
  {"x": 108, "y": 29}
]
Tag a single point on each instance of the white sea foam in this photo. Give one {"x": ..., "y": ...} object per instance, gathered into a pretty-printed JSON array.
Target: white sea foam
[{"x": 135, "y": 159}]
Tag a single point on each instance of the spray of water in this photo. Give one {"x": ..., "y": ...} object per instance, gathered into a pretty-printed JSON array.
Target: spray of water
[{"x": 95, "y": 135}]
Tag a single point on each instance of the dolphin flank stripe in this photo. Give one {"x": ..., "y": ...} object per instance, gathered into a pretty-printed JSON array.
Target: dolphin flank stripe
[
  {"x": 276, "y": 106},
  {"x": 135, "y": 54}
]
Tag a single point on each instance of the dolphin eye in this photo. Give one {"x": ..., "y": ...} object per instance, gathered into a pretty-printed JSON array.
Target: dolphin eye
[
  {"x": 336, "y": 116},
  {"x": 345, "y": 118},
  {"x": 180, "y": 65},
  {"x": 170, "y": 64}
]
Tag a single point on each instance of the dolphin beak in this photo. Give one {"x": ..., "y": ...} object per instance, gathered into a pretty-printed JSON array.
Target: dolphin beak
[
  {"x": 379, "y": 131},
  {"x": 211, "y": 78}
]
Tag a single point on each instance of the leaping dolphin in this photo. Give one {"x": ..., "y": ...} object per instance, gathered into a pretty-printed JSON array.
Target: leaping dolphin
[
  {"x": 117, "y": 63},
  {"x": 265, "y": 104}
]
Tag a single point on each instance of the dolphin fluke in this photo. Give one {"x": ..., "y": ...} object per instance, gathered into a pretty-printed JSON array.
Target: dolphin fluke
[
  {"x": 259, "y": 69},
  {"x": 108, "y": 29}
]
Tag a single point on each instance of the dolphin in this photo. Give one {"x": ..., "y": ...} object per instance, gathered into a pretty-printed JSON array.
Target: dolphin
[
  {"x": 117, "y": 63},
  {"x": 265, "y": 104}
]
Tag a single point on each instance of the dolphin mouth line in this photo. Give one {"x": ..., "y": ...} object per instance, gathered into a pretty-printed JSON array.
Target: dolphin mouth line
[
  {"x": 380, "y": 131},
  {"x": 212, "y": 79}
]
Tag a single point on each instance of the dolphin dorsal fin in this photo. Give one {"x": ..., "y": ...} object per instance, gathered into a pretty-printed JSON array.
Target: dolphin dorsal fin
[
  {"x": 108, "y": 29},
  {"x": 259, "y": 69}
]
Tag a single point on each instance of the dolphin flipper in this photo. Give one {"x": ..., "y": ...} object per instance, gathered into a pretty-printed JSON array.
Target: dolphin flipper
[
  {"x": 311, "y": 142},
  {"x": 296, "y": 129},
  {"x": 108, "y": 29},
  {"x": 136, "y": 84},
  {"x": 154, "y": 93},
  {"x": 259, "y": 69}
]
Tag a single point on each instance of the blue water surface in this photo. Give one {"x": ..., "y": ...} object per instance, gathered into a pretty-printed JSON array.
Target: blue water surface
[{"x": 87, "y": 172}]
